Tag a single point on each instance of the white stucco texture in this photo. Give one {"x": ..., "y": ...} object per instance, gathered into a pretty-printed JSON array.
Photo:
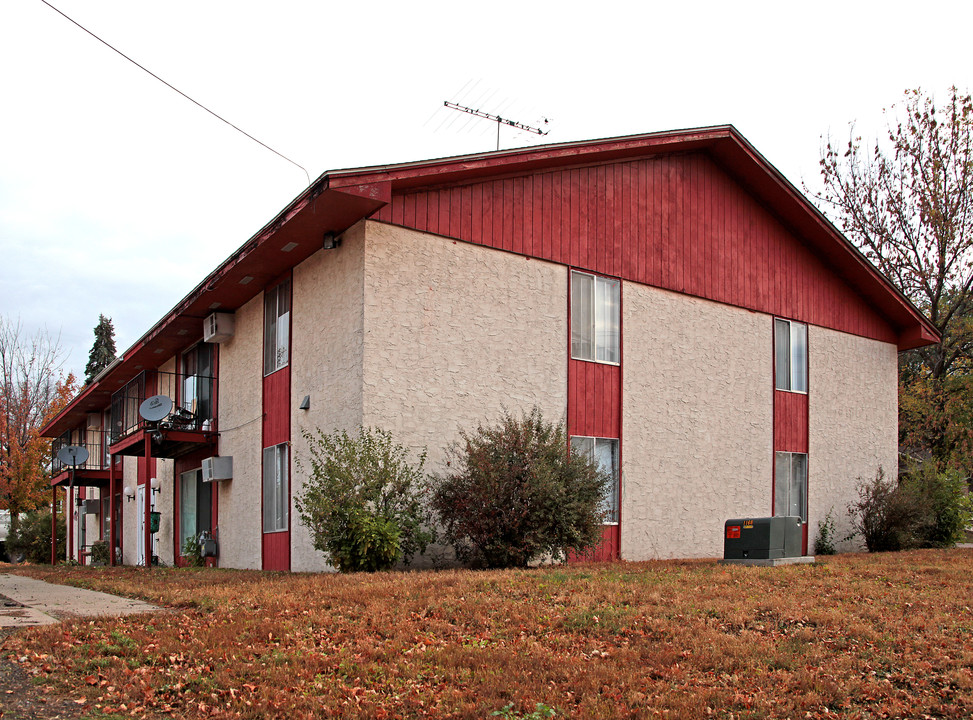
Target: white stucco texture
[
  {"x": 240, "y": 411},
  {"x": 853, "y": 423},
  {"x": 455, "y": 333},
  {"x": 327, "y": 320},
  {"x": 697, "y": 422}
]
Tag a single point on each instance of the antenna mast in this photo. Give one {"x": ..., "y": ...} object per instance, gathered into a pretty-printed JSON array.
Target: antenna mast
[{"x": 497, "y": 119}]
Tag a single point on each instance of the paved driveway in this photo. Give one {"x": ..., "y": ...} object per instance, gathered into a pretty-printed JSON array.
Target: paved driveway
[{"x": 25, "y": 602}]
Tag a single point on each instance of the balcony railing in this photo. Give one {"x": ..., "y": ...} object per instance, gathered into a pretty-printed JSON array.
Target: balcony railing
[
  {"x": 97, "y": 452},
  {"x": 193, "y": 403}
]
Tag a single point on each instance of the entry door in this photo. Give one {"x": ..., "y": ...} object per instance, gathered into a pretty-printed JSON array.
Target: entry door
[
  {"x": 140, "y": 538},
  {"x": 140, "y": 535}
]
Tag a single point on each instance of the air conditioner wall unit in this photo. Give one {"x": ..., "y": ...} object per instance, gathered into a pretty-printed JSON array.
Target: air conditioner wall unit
[
  {"x": 218, "y": 468},
  {"x": 218, "y": 327}
]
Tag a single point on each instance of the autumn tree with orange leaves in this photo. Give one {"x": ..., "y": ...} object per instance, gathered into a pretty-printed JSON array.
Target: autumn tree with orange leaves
[{"x": 33, "y": 389}]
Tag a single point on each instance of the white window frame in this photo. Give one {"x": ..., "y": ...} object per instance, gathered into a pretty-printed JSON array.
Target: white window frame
[
  {"x": 277, "y": 327},
  {"x": 596, "y": 329},
  {"x": 276, "y": 489},
  {"x": 790, "y": 475},
  {"x": 790, "y": 356},
  {"x": 589, "y": 446}
]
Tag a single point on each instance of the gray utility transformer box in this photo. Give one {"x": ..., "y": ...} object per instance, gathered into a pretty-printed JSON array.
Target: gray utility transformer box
[{"x": 765, "y": 538}]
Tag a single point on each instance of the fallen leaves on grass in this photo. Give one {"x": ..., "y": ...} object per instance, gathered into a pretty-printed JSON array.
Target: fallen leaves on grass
[{"x": 858, "y": 636}]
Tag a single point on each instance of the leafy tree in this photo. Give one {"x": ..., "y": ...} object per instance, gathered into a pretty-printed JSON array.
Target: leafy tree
[
  {"x": 907, "y": 203},
  {"x": 102, "y": 351},
  {"x": 910, "y": 210},
  {"x": 363, "y": 500},
  {"x": 516, "y": 493},
  {"x": 32, "y": 391}
]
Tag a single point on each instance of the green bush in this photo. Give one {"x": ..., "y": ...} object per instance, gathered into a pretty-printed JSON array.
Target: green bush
[
  {"x": 363, "y": 500},
  {"x": 30, "y": 537},
  {"x": 824, "y": 542},
  {"x": 516, "y": 493},
  {"x": 99, "y": 553},
  {"x": 192, "y": 552},
  {"x": 945, "y": 502},
  {"x": 924, "y": 509}
]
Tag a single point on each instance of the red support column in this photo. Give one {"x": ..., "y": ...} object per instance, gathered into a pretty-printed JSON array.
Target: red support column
[
  {"x": 69, "y": 516},
  {"x": 54, "y": 525},
  {"x": 111, "y": 511}
]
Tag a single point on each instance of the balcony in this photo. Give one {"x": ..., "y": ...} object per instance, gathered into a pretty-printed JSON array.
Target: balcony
[
  {"x": 190, "y": 424},
  {"x": 94, "y": 471}
]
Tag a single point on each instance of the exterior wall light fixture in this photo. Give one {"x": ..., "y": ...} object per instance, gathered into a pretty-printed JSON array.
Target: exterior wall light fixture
[
  {"x": 331, "y": 241},
  {"x": 129, "y": 493},
  {"x": 154, "y": 482}
]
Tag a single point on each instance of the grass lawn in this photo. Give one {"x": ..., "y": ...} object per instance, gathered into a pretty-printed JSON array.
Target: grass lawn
[{"x": 852, "y": 636}]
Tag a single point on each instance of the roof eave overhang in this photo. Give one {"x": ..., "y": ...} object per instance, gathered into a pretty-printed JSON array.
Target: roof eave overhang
[{"x": 340, "y": 198}]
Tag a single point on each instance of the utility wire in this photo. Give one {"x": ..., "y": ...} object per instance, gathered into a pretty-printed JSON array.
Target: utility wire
[{"x": 200, "y": 105}]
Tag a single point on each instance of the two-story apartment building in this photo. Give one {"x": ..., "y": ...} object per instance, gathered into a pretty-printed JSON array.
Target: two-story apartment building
[{"x": 703, "y": 330}]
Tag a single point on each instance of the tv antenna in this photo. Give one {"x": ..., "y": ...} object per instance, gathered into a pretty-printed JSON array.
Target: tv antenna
[{"x": 497, "y": 119}]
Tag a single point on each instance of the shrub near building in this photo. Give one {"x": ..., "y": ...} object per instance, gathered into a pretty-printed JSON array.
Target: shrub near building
[
  {"x": 924, "y": 509},
  {"x": 30, "y": 538},
  {"x": 516, "y": 493},
  {"x": 364, "y": 501}
]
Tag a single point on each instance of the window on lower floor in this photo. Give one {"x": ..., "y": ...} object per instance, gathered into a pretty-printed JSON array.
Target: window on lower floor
[
  {"x": 595, "y": 323},
  {"x": 790, "y": 355},
  {"x": 790, "y": 485},
  {"x": 276, "y": 488},
  {"x": 195, "y": 506},
  {"x": 604, "y": 451}
]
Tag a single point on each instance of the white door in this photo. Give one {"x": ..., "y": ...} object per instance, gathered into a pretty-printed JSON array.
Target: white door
[
  {"x": 140, "y": 540},
  {"x": 140, "y": 535}
]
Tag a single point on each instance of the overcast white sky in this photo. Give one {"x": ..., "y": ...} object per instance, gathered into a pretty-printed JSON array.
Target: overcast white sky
[{"x": 118, "y": 196}]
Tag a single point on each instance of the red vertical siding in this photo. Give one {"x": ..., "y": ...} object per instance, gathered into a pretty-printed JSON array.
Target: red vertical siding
[
  {"x": 790, "y": 422},
  {"x": 594, "y": 399},
  {"x": 276, "y": 430},
  {"x": 677, "y": 222}
]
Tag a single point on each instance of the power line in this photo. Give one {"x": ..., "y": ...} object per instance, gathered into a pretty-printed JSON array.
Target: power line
[{"x": 171, "y": 87}]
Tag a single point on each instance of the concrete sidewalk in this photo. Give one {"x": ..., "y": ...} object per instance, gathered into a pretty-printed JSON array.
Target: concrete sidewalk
[{"x": 25, "y": 602}]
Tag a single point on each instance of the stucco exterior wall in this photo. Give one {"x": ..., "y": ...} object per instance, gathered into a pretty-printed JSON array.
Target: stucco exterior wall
[
  {"x": 853, "y": 422},
  {"x": 240, "y": 411},
  {"x": 129, "y": 520},
  {"x": 327, "y": 323},
  {"x": 456, "y": 332},
  {"x": 165, "y": 504},
  {"x": 697, "y": 422}
]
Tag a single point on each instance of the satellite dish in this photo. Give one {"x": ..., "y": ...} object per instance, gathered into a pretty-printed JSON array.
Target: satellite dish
[
  {"x": 73, "y": 455},
  {"x": 155, "y": 408}
]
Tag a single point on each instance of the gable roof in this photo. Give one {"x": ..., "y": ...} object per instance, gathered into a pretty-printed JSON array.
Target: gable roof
[{"x": 338, "y": 199}]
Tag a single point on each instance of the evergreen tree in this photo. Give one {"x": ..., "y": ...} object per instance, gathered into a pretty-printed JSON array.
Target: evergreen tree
[{"x": 103, "y": 351}]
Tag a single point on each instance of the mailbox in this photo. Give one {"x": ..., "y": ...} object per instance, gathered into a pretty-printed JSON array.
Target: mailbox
[{"x": 765, "y": 538}]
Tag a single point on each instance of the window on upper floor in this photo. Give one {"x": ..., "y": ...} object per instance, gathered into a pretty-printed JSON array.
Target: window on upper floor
[
  {"x": 196, "y": 394},
  {"x": 790, "y": 355},
  {"x": 277, "y": 327},
  {"x": 595, "y": 318},
  {"x": 790, "y": 484},
  {"x": 604, "y": 451}
]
